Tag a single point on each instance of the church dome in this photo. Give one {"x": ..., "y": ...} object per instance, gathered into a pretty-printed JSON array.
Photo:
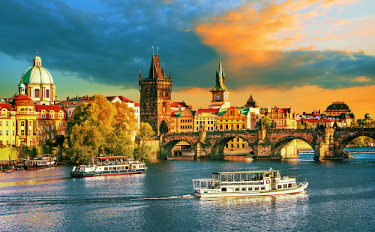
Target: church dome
[
  {"x": 37, "y": 74},
  {"x": 337, "y": 106}
]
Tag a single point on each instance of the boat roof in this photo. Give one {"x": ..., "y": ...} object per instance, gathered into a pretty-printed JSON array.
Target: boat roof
[
  {"x": 246, "y": 172},
  {"x": 111, "y": 157}
]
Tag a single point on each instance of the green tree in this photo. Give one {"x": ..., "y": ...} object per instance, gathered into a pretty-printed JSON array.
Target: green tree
[
  {"x": 144, "y": 138},
  {"x": 265, "y": 122}
]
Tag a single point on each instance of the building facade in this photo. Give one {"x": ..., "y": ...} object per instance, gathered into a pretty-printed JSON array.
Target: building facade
[
  {"x": 155, "y": 99},
  {"x": 206, "y": 118}
]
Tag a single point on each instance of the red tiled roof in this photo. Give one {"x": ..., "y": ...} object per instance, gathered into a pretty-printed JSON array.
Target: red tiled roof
[
  {"x": 5, "y": 105},
  {"x": 124, "y": 99},
  {"x": 316, "y": 120},
  {"x": 214, "y": 111},
  {"x": 176, "y": 104},
  {"x": 22, "y": 97},
  {"x": 137, "y": 104},
  {"x": 39, "y": 108}
]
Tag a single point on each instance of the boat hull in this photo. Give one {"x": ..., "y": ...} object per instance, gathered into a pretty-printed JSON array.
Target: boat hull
[
  {"x": 29, "y": 168},
  {"x": 96, "y": 174},
  {"x": 300, "y": 189}
]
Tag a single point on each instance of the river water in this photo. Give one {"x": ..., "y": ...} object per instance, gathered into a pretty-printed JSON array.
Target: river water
[{"x": 340, "y": 197}]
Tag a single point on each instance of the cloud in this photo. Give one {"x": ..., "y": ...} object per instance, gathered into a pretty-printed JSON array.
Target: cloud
[
  {"x": 341, "y": 22},
  {"x": 362, "y": 79}
]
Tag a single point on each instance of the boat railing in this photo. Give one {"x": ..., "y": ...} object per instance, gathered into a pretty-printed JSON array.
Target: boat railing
[{"x": 260, "y": 182}]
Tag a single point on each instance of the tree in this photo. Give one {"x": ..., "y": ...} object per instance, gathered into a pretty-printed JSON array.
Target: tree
[
  {"x": 265, "y": 122},
  {"x": 144, "y": 136},
  {"x": 98, "y": 129}
]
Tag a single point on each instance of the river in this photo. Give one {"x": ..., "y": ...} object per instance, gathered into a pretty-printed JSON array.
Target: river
[{"x": 340, "y": 197}]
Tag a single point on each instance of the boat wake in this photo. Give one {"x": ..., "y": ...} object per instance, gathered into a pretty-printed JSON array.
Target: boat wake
[{"x": 166, "y": 198}]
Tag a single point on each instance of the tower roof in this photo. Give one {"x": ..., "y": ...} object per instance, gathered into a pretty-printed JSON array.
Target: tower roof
[
  {"x": 155, "y": 71},
  {"x": 220, "y": 79}
]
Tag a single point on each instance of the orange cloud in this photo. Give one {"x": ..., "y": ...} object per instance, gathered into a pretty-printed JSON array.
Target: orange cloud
[
  {"x": 250, "y": 36},
  {"x": 340, "y": 23}
]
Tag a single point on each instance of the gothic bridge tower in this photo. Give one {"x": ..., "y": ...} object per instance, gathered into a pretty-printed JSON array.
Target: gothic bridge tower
[{"x": 155, "y": 90}]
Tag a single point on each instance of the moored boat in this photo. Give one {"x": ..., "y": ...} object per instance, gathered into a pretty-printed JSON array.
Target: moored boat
[
  {"x": 41, "y": 163},
  {"x": 8, "y": 169},
  {"x": 247, "y": 183},
  {"x": 109, "y": 166}
]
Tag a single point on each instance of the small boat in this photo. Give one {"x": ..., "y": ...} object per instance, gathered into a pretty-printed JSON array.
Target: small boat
[
  {"x": 41, "y": 163},
  {"x": 109, "y": 166},
  {"x": 247, "y": 183},
  {"x": 8, "y": 169}
]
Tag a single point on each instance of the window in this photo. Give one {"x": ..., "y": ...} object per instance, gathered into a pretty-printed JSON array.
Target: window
[
  {"x": 22, "y": 132},
  {"x": 36, "y": 93},
  {"x": 22, "y": 123},
  {"x": 13, "y": 123},
  {"x": 47, "y": 93},
  {"x": 1, "y": 123},
  {"x": 7, "y": 133},
  {"x": 1, "y": 132},
  {"x": 7, "y": 123},
  {"x": 4, "y": 114}
]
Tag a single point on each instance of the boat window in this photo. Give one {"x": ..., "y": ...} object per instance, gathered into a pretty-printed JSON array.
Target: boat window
[
  {"x": 279, "y": 187},
  {"x": 289, "y": 185},
  {"x": 105, "y": 168},
  {"x": 263, "y": 188},
  {"x": 243, "y": 189},
  {"x": 127, "y": 167},
  {"x": 237, "y": 189},
  {"x": 224, "y": 189},
  {"x": 285, "y": 186},
  {"x": 256, "y": 188},
  {"x": 250, "y": 188}
]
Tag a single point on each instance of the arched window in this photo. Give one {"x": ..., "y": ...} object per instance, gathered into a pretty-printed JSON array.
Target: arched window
[
  {"x": 37, "y": 93},
  {"x": 47, "y": 93}
]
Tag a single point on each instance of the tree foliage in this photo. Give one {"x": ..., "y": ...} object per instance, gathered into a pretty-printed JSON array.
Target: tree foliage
[
  {"x": 100, "y": 128},
  {"x": 265, "y": 122}
]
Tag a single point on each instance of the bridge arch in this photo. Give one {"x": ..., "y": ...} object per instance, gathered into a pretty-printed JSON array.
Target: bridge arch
[
  {"x": 342, "y": 143},
  {"x": 168, "y": 147},
  {"x": 276, "y": 148},
  {"x": 217, "y": 150}
]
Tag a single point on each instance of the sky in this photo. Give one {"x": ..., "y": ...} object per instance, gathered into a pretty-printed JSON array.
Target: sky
[{"x": 302, "y": 54}]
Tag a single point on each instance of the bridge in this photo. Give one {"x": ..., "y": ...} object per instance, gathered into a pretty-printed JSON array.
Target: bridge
[{"x": 327, "y": 143}]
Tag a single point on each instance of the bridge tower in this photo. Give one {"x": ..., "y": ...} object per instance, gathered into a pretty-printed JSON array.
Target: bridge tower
[{"x": 155, "y": 100}]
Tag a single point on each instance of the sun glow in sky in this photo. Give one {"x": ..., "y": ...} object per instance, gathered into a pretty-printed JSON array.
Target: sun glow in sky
[{"x": 299, "y": 53}]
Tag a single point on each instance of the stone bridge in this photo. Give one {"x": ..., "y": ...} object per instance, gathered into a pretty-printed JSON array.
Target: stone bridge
[{"x": 327, "y": 143}]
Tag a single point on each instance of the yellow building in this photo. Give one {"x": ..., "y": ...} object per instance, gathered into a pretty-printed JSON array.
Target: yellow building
[
  {"x": 182, "y": 121},
  {"x": 7, "y": 125},
  {"x": 234, "y": 119},
  {"x": 26, "y": 117},
  {"x": 207, "y": 118},
  {"x": 283, "y": 118}
]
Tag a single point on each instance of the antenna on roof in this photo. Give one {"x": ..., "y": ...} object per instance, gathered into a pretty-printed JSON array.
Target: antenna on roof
[
  {"x": 152, "y": 50},
  {"x": 36, "y": 53},
  {"x": 157, "y": 50}
]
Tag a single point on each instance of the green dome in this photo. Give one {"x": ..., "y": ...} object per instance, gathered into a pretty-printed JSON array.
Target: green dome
[{"x": 37, "y": 74}]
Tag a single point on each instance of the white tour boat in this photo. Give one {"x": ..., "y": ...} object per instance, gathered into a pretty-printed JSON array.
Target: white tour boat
[
  {"x": 45, "y": 161},
  {"x": 109, "y": 166},
  {"x": 247, "y": 183}
]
